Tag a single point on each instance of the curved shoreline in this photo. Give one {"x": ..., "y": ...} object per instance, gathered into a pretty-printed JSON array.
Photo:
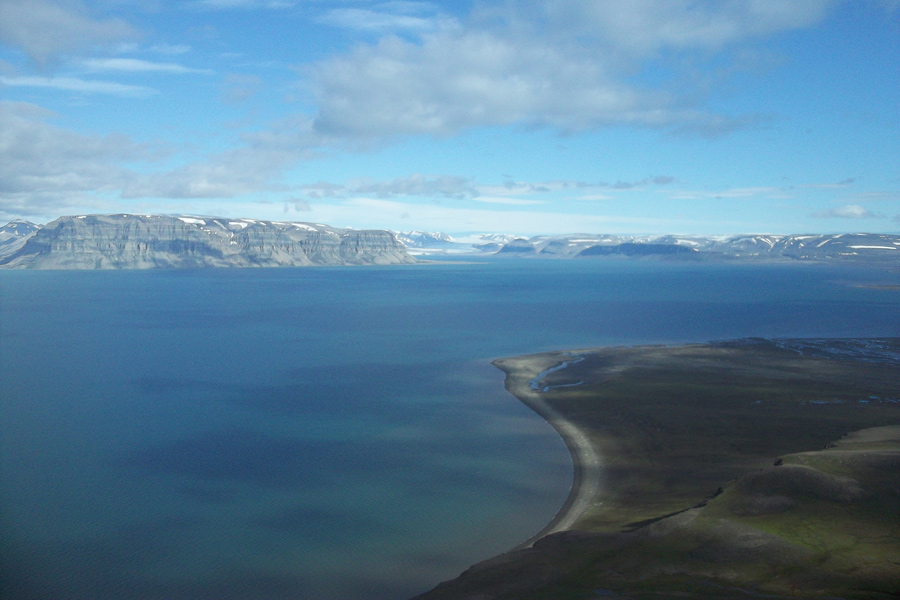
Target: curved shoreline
[{"x": 585, "y": 459}]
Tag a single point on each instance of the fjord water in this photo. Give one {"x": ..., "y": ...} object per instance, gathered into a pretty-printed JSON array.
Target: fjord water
[{"x": 326, "y": 433}]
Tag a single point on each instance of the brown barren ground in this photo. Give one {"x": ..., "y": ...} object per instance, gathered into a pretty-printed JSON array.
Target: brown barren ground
[{"x": 726, "y": 470}]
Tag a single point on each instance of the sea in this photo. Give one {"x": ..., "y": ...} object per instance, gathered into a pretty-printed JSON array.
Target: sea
[{"x": 328, "y": 433}]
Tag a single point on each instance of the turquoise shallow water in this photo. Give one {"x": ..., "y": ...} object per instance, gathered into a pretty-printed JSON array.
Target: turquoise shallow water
[{"x": 325, "y": 433}]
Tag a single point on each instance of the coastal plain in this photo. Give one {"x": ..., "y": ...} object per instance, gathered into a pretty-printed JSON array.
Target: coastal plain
[{"x": 741, "y": 469}]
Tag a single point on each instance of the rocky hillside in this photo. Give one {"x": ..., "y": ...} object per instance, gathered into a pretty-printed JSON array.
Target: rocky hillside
[
  {"x": 176, "y": 242},
  {"x": 13, "y": 236}
]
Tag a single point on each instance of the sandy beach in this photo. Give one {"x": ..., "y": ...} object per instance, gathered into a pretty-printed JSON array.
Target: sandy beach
[{"x": 585, "y": 458}]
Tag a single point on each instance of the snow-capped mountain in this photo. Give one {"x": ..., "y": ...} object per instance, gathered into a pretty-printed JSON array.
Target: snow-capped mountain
[
  {"x": 13, "y": 236},
  {"x": 437, "y": 243},
  {"x": 823, "y": 247},
  {"x": 157, "y": 241}
]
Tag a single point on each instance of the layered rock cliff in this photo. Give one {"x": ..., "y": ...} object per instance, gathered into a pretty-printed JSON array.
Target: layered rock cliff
[{"x": 178, "y": 242}]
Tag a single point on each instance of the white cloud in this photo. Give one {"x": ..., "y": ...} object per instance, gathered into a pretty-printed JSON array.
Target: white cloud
[
  {"x": 568, "y": 65},
  {"x": 363, "y": 19},
  {"x": 46, "y": 29},
  {"x": 243, "y": 4},
  {"x": 507, "y": 201},
  {"x": 849, "y": 211},
  {"x": 457, "y": 81},
  {"x": 84, "y": 86},
  {"x": 134, "y": 65},
  {"x": 44, "y": 167}
]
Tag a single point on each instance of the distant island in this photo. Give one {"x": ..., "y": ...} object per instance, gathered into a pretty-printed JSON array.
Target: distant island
[
  {"x": 750, "y": 468},
  {"x": 127, "y": 241}
]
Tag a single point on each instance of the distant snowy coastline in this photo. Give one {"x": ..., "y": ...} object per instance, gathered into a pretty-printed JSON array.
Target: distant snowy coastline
[{"x": 250, "y": 242}]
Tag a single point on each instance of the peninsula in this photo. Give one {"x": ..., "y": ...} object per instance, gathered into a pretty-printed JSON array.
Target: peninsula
[{"x": 750, "y": 468}]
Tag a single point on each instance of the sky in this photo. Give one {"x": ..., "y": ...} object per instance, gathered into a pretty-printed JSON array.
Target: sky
[{"x": 529, "y": 117}]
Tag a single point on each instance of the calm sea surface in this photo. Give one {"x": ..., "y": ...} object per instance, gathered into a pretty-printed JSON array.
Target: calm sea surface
[{"x": 325, "y": 433}]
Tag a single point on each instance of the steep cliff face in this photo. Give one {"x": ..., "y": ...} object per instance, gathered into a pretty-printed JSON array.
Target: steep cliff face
[
  {"x": 154, "y": 241},
  {"x": 370, "y": 247}
]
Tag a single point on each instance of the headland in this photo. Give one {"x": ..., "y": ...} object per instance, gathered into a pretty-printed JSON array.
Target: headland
[{"x": 736, "y": 469}]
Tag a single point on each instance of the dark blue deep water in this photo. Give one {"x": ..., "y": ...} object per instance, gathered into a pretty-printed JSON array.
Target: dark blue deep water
[{"x": 326, "y": 433}]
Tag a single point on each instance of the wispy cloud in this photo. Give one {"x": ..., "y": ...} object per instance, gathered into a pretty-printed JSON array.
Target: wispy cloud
[
  {"x": 446, "y": 186},
  {"x": 134, "y": 65},
  {"x": 509, "y": 192},
  {"x": 243, "y": 4},
  {"x": 46, "y": 29},
  {"x": 594, "y": 197},
  {"x": 396, "y": 16},
  {"x": 84, "y": 86},
  {"x": 742, "y": 192},
  {"x": 417, "y": 185},
  {"x": 507, "y": 201},
  {"x": 170, "y": 49},
  {"x": 628, "y": 185},
  {"x": 845, "y": 183},
  {"x": 849, "y": 211}
]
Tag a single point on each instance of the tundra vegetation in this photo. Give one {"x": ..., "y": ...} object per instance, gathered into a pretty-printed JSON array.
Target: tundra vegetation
[{"x": 729, "y": 470}]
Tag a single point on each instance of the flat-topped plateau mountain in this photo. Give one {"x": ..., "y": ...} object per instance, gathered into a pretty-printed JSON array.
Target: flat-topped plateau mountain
[{"x": 177, "y": 242}]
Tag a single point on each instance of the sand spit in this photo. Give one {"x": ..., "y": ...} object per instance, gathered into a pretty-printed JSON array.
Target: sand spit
[{"x": 585, "y": 458}]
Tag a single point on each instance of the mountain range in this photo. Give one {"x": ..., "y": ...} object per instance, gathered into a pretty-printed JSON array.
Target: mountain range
[
  {"x": 870, "y": 247},
  {"x": 156, "y": 241}
]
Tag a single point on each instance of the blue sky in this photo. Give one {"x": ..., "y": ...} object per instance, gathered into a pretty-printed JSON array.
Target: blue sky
[{"x": 564, "y": 116}]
